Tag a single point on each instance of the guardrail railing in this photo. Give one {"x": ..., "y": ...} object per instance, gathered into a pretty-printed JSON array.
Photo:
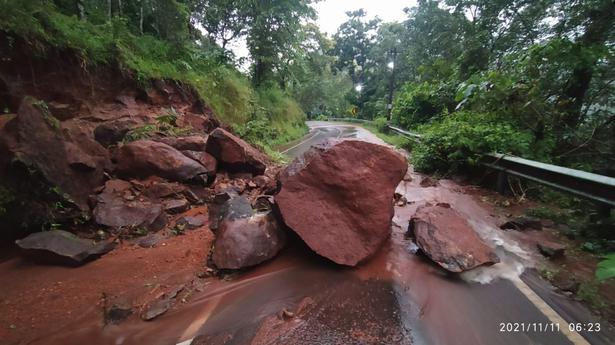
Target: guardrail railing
[{"x": 598, "y": 188}]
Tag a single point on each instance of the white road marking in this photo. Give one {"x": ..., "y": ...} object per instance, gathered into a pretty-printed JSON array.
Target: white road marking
[
  {"x": 312, "y": 136},
  {"x": 551, "y": 314}
]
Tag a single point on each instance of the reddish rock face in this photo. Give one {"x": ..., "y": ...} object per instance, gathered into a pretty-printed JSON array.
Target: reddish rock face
[
  {"x": 191, "y": 143},
  {"x": 145, "y": 158},
  {"x": 447, "y": 238},
  {"x": 338, "y": 198},
  {"x": 234, "y": 154}
]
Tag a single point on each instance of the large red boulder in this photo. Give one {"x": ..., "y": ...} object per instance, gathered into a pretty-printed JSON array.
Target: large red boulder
[
  {"x": 145, "y": 158},
  {"x": 234, "y": 154},
  {"x": 448, "y": 239},
  {"x": 338, "y": 198}
]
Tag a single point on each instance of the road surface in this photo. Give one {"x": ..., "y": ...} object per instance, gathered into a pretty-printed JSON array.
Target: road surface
[{"x": 397, "y": 297}]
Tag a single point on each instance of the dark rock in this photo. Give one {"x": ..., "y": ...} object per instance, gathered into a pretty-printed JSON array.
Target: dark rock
[
  {"x": 117, "y": 313},
  {"x": 447, "y": 239},
  {"x": 62, "y": 247},
  {"x": 193, "y": 222},
  {"x": 79, "y": 160},
  {"x": 551, "y": 249},
  {"x": 158, "y": 307},
  {"x": 145, "y": 158},
  {"x": 150, "y": 240},
  {"x": 230, "y": 206},
  {"x": 245, "y": 240},
  {"x": 427, "y": 181},
  {"x": 113, "y": 132},
  {"x": 196, "y": 143},
  {"x": 176, "y": 205},
  {"x": 63, "y": 111},
  {"x": 207, "y": 160},
  {"x": 234, "y": 154},
  {"x": 112, "y": 208},
  {"x": 522, "y": 223},
  {"x": 338, "y": 198}
]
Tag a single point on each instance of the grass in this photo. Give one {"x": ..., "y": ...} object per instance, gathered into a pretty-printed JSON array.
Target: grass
[{"x": 146, "y": 58}]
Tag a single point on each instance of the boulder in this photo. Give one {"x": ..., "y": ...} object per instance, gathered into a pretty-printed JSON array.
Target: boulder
[
  {"x": 145, "y": 158},
  {"x": 246, "y": 239},
  {"x": 338, "y": 197},
  {"x": 551, "y": 249},
  {"x": 522, "y": 223},
  {"x": 234, "y": 154},
  {"x": 228, "y": 205},
  {"x": 115, "y": 207},
  {"x": 447, "y": 239},
  {"x": 191, "y": 143},
  {"x": 207, "y": 160},
  {"x": 67, "y": 161},
  {"x": 58, "y": 246}
]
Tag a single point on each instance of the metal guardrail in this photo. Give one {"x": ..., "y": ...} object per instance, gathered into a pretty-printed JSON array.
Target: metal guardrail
[{"x": 598, "y": 188}]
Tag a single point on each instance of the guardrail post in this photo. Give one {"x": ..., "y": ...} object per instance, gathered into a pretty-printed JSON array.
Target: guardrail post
[{"x": 502, "y": 182}]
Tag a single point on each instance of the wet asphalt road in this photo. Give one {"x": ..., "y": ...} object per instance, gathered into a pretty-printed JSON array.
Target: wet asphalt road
[
  {"x": 497, "y": 302},
  {"x": 396, "y": 298}
]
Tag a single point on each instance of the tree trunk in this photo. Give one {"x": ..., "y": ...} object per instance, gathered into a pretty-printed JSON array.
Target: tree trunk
[
  {"x": 391, "y": 85},
  {"x": 600, "y": 22},
  {"x": 80, "y": 10},
  {"x": 141, "y": 16},
  {"x": 109, "y": 9}
]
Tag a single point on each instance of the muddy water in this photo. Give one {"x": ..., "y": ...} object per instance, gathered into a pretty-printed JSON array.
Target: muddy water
[{"x": 395, "y": 298}]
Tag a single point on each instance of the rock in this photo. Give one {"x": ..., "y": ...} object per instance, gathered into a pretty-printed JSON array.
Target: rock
[
  {"x": 45, "y": 145},
  {"x": 245, "y": 240},
  {"x": 158, "y": 307},
  {"x": 338, "y": 197},
  {"x": 447, "y": 239},
  {"x": 117, "y": 313},
  {"x": 228, "y": 205},
  {"x": 176, "y": 205},
  {"x": 207, "y": 160},
  {"x": 522, "y": 223},
  {"x": 112, "y": 132},
  {"x": 112, "y": 209},
  {"x": 58, "y": 246},
  {"x": 234, "y": 154},
  {"x": 551, "y": 249},
  {"x": 145, "y": 158},
  {"x": 159, "y": 190},
  {"x": 192, "y": 143},
  {"x": 150, "y": 240},
  {"x": 63, "y": 111},
  {"x": 267, "y": 184},
  {"x": 193, "y": 222},
  {"x": 427, "y": 181}
]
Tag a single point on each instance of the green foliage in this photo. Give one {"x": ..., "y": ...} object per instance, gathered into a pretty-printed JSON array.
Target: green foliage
[
  {"x": 417, "y": 104},
  {"x": 381, "y": 124},
  {"x": 165, "y": 126},
  {"x": 275, "y": 119},
  {"x": 458, "y": 140},
  {"x": 606, "y": 268}
]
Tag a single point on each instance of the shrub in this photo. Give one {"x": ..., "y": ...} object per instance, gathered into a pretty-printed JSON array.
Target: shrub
[
  {"x": 418, "y": 104},
  {"x": 460, "y": 138},
  {"x": 381, "y": 124}
]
